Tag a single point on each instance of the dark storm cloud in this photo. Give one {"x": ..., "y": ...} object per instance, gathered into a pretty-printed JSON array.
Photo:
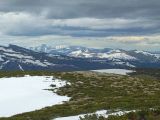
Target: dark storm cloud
[{"x": 85, "y": 8}]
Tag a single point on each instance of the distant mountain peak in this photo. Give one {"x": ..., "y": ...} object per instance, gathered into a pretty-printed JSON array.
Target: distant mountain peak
[{"x": 15, "y": 57}]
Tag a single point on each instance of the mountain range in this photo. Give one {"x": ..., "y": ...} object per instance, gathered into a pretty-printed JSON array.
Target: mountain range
[
  {"x": 115, "y": 57},
  {"x": 69, "y": 58}
]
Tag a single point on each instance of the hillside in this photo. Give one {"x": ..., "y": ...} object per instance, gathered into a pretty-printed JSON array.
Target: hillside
[{"x": 91, "y": 91}]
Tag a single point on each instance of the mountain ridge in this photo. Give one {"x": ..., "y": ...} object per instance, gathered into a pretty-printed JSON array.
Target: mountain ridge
[{"x": 15, "y": 57}]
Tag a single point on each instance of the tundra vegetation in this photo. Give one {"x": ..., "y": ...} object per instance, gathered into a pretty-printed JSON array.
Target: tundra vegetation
[{"x": 91, "y": 91}]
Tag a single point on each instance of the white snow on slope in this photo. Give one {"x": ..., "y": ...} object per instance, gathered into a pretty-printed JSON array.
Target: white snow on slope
[
  {"x": 3, "y": 64},
  {"x": 23, "y": 58},
  {"x": 148, "y": 54},
  {"x": 36, "y": 62},
  {"x": 20, "y": 67},
  {"x": 143, "y": 52},
  {"x": 20, "y": 56},
  {"x": 114, "y": 71},
  {"x": 111, "y": 55},
  {"x": 114, "y": 51},
  {"x": 76, "y": 53},
  {"x": 118, "y": 55},
  {"x": 49, "y": 64},
  {"x": 130, "y": 65},
  {"x": 1, "y": 59},
  {"x": 24, "y": 94},
  {"x": 98, "y": 113},
  {"x": 80, "y": 53},
  {"x": 5, "y": 49}
]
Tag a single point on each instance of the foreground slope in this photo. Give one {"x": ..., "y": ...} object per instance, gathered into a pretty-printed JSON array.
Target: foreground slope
[{"x": 91, "y": 91}]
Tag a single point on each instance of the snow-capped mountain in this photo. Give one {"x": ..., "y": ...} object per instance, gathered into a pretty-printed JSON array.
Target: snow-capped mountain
[
  {"x": 74, "y": 58},
  {"x": 17, "y": 58},
  {"x": 110, "y": 55},
  {"x": 83, "y": 52},
  {"x": 132, "y": 58}
]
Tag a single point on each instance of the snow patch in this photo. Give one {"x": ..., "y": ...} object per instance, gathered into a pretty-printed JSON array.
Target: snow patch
[
  {"x": 34, "y": 62},
  {"x": 103, "y": 113},
  {"x": 24, "y": 94},
  {"x": 3, "y": 64},
  {"x": 80, "y": 53},
  {"x": 148, "y": 54},
  {"x": 118, "y": 55},
  {"x": 20, "y": 67},
  {"x": 1, "y": 59},
  {"x": 5, "y": 49},
  {"x": 20, "y": 56},
  {"x": 115, "y": 71}
]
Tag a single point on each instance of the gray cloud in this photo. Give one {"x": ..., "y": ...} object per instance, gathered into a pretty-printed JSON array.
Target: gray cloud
[
  {"x": 31, "y": 19},
  {"x": 85, "y": 8},
  {"x": 25, "y": 24}
]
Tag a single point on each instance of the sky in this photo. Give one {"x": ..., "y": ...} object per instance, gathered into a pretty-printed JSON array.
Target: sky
[{"x": 125, "y": 24}]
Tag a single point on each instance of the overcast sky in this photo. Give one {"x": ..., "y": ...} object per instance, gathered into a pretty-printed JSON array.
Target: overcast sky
[{"x": 127, "y": 24}]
